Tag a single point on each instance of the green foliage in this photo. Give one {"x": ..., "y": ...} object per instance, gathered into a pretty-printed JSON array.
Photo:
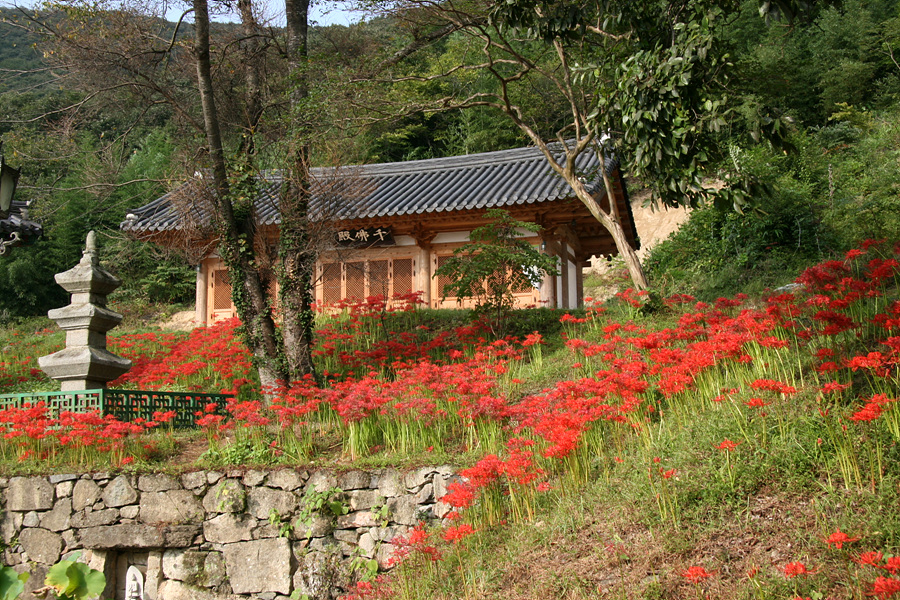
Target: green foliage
[
  {"x": 314, "y": 502},
  {"x": 75, "y": 581},
  {"x": 840, "y": 53},
  {"x": 12, "y": 584},
  {"x": 838, "y": 188},
  {"x": 494, "y": 264}
]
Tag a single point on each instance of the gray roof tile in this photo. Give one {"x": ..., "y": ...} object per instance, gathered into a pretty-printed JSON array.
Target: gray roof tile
[{"x": 487, "y": 180}]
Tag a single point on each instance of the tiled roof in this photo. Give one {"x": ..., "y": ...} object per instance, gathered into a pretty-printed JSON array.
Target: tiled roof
[
  {"x": 476, "y": 181},
  {"x": 17, "y": 221}
]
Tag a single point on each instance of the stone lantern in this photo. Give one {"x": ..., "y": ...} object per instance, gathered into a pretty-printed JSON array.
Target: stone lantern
[{"x": 85, "y": 363}]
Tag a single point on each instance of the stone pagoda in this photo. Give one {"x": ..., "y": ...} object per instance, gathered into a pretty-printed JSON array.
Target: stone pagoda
[{"x": 85, "y": 363}]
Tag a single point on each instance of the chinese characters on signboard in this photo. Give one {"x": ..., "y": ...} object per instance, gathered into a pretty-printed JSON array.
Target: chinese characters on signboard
[{"x": 365, "y": 237}]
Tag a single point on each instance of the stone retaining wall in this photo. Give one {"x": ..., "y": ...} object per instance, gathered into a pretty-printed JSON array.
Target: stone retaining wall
[{"x": 210, "y": 535}]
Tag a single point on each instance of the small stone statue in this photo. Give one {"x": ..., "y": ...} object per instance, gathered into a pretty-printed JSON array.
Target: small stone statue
[{"x": 134, "y": 584}]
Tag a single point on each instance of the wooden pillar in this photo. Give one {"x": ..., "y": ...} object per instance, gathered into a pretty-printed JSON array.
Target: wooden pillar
[
  {"x": 550, "y": 292},
  {"x": 201, "y": 296},
  {"x": 579, "y": 283},
  {"x": 564, "y": 275},
  {"x": 423, "y": 274}
]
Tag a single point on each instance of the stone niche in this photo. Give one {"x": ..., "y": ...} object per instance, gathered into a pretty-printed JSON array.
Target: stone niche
[{"x": 211, "y": 535}]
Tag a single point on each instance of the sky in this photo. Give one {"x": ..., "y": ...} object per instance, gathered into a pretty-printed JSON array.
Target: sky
[{"x": 323, "y": 13}]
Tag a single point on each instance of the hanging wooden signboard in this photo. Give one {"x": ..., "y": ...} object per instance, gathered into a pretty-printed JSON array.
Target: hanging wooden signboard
[{"x": 364, "y": 237}]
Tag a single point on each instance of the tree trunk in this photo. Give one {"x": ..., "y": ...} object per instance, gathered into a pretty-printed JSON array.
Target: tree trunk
[
  {"x": 235, "y": 233},
  {"x": 613, "y": 225},
  {"x": 611, "y": 221},
  {"x": 297, "y": 254}
]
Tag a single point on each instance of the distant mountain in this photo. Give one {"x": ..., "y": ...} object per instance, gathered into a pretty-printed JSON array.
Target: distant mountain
[{"x": 22, "y": 65}]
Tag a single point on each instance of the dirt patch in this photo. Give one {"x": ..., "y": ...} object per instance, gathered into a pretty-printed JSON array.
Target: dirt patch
[
  {"x": 185, "y": 320},
  {"x": 617, "y": 553}
]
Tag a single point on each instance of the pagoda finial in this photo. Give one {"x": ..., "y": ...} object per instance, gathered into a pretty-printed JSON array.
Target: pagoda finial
[{"x": 89, "y": 256}]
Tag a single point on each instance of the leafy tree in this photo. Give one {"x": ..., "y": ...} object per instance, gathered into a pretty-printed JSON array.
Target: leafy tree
[
  {"x": 494, "y": 264},
  {"x": 643, "y": 81}
]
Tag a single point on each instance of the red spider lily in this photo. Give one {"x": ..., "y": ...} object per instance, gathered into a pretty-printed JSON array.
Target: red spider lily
[
  {"x": 457, "y": 534},
  {"x": 872, "y": 558},
  {"x": 839, "y": 538},
  {"x": 885, "y": 587},
  {"x": 796, "y": 569},
  {"x": 757, "y": 403},
  {"x": 415, "y": 544},
  {"x": 773, "y": 386},
  {"x": 893, "y": 565},
  {"x": 727, "y": 445},
  {"x": 834, "y": 386},
  {"x": 872, "y": 409},
  {"x": 696, "y": 574},
  {"x": 533, "y": 339}
]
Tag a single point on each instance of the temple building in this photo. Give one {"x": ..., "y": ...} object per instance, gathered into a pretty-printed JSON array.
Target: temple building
[{"x": 384, "y": 229}]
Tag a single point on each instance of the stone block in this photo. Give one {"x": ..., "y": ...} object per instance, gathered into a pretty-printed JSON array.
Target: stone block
[
  {"x": 228, "y": 496},
  {"x": 130, "y": 512},
  {"x": 385, "y": 555},
  {"x": 194, "y": 480},
  {"x": 361, "y": 518},
  {"x": 29, "y": 493},
  {"x": 54, "y": 479},
  {"x": 154, "y": 575},
  {"x": 319, "y": 526},
  {"x": 178, "y": 590},
  {"x": 58, "y": 518},
  {"x": 349, "y": 536},
  {"x": 262, "y": 501},
  {"x": 365, "y": 499},
  {"x": 173, "y": 506},
  {"x": 413, "y": 480},
  {"x": 367, "y": 545},
  {"x": 390, "y": 484},
  {"x": 41, "y": 545},
  {"x": 353, "y": 480},
  {"x": 70, "y": 539},
  {"x": 138, "y": 536},
  {"x": 259, "y": 566},
  {"x": 321, "y": 481},
  {"x": 228, "y": 528},
  {"x": 253, "y": 478},
  {"x": 86, "y": 493},
  {"x": 403, "y": 510},
  {"x": 188, "y": 566},
  {"x": 64, "y": 489},
  {"x": 214, "y": 567},
  {"x": 119, "y": 492},
  {"x": 441, "y": 509},
  {"x": 385, "y": 534},
  {"x": 425, "y": 494},
  {"x": 285, "y": 479},
  {"x": 439, "y": 486},
  {"x": 157, "y": 482},
  {"x": 94, "y": 518},
  {"x": 32, "y": 519},
  {"x": 316, "y": 574},
  {"x": 10, "y": 525},
  {"x": 36, "y": 581}
]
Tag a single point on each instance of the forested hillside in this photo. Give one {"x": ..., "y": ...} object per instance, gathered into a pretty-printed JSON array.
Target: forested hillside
[{"x": 824, "y": 84}]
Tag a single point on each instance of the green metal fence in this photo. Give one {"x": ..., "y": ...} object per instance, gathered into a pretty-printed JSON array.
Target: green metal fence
[{"x": 125, "y": 405}]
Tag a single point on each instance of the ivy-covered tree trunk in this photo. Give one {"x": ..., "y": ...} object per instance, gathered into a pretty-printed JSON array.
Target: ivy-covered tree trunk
[
  {"x": 235, "y": 227},
  {"x": 297, "y": 255}
]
